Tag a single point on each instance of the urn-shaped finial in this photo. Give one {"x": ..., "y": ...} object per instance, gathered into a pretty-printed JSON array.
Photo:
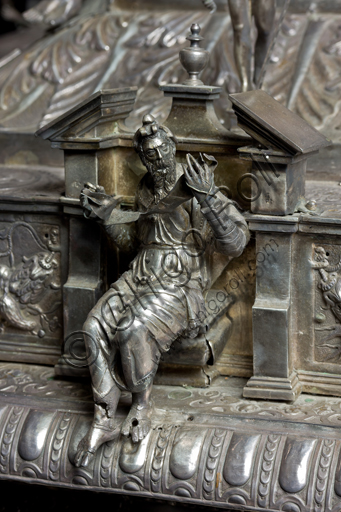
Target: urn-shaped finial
[{"x": 194, "y": 59}]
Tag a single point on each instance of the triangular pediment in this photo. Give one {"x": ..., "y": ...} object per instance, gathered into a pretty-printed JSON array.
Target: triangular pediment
[{"x": 93, "y": 118}]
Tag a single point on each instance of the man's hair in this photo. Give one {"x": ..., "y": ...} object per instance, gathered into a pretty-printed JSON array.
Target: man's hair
[{"x": 149, "y": 130}]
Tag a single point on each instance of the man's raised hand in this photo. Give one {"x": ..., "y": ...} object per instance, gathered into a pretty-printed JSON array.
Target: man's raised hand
[{"x": 199, "y": 175}]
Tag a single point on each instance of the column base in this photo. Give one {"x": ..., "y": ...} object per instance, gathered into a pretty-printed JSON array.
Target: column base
[
  {"x": 71, "y": 367},
  {"x": 273, "y": 388}
]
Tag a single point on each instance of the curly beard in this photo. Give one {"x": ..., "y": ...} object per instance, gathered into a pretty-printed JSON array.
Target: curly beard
[{"x": 164, "y": 177}]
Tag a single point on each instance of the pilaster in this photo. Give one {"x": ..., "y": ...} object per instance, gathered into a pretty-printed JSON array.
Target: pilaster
[
  {"x": 85, "y": 133},
  {"x": 283, "y": 142}
]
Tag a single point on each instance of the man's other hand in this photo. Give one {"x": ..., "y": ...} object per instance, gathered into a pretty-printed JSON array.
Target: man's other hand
[{"x": 96, "y": 203}]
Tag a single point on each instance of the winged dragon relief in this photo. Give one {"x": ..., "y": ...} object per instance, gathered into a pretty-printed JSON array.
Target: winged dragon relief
[
  {"x": 24, "y": 287},
  {"x": 330, "y": 286}
]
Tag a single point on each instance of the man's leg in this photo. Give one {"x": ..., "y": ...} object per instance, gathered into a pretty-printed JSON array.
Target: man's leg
[
  {"x": 264, "y": 12},
  {"x": 241, "y": 23},
  {"x": 106, "y": 393},
  {"x": 140, "y": 358}
]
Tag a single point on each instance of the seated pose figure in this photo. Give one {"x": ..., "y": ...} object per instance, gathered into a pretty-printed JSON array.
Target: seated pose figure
[{"x": 180, "y": 220}]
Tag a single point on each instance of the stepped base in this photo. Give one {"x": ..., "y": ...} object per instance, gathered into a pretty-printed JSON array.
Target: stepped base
[{"x": 270, "y": 388}]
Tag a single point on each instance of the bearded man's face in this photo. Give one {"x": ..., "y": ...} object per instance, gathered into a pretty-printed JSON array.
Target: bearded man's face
[{"x": 160, "y": 160}]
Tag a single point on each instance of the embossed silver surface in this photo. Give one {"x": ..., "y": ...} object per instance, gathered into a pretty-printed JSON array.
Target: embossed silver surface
[
  {"x": 206, "y": 446},
  {"x": 102, "y": 46}
]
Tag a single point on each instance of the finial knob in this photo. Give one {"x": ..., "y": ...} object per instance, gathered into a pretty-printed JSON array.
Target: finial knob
[{"x": 194, "y": 59}]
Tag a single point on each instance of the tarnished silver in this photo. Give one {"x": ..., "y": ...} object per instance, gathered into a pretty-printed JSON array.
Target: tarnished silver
[
  {"x": 272, "y": 313},
  {"x": 162, "y": 297},
  {"x": 194, "y": 59},
  {"x": 101, "y": 48},
  {"x": 241, "y": 12},
  {"x": 207, "y": 447}
]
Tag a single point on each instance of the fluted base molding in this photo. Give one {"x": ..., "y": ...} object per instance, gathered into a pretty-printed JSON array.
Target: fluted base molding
[{"x": 207, "y": 446}]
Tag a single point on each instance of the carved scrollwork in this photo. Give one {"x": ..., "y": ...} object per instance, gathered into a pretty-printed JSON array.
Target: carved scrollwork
[
  {"x": 95, "y": 52},
  {"x": 106, "y": 463},
  {"x": 268, "y": 461},
  {"x": 318, "y": 100},
  {"x": 327, "y": 451},
  {"x": 74, "y": 59},
  {"x": 103, "y": 50},
  {"x": 8, "y": 436},
  {"x": 211, "y": 478},
  {"x": 37, "y": 381},
  {"x": 158, "y": 457},
  {"x": 51, "y": 13},
  {"x": 230, "y": 466},
  {"x": 57, "y": 446}
]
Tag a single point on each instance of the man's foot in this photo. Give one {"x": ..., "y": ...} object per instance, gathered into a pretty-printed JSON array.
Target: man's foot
[
  {"x": 88, "y": 446},
  {"x": 101, "y": 431},
  {"x": 138, "y": 423}
]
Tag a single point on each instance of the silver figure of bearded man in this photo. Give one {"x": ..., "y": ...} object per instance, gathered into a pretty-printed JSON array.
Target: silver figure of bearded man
[{"x": 180, "y": 220}]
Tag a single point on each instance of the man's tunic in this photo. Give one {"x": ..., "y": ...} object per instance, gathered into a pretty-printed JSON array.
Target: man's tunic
[{"x": 164, "y": 289}]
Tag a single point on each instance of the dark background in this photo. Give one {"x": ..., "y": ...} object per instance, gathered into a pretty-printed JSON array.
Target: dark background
[
  {"x": 8, "y": 17},
  {"x": 14, "y": 32},
  {"x": 20, "y": 497}
]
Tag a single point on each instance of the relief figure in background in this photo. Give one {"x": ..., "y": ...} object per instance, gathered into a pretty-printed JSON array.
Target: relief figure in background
[
  {"x": 180, "y": 220},
  {"x": 241, "y": 12},
  {"x": 23, "y": 287}
]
